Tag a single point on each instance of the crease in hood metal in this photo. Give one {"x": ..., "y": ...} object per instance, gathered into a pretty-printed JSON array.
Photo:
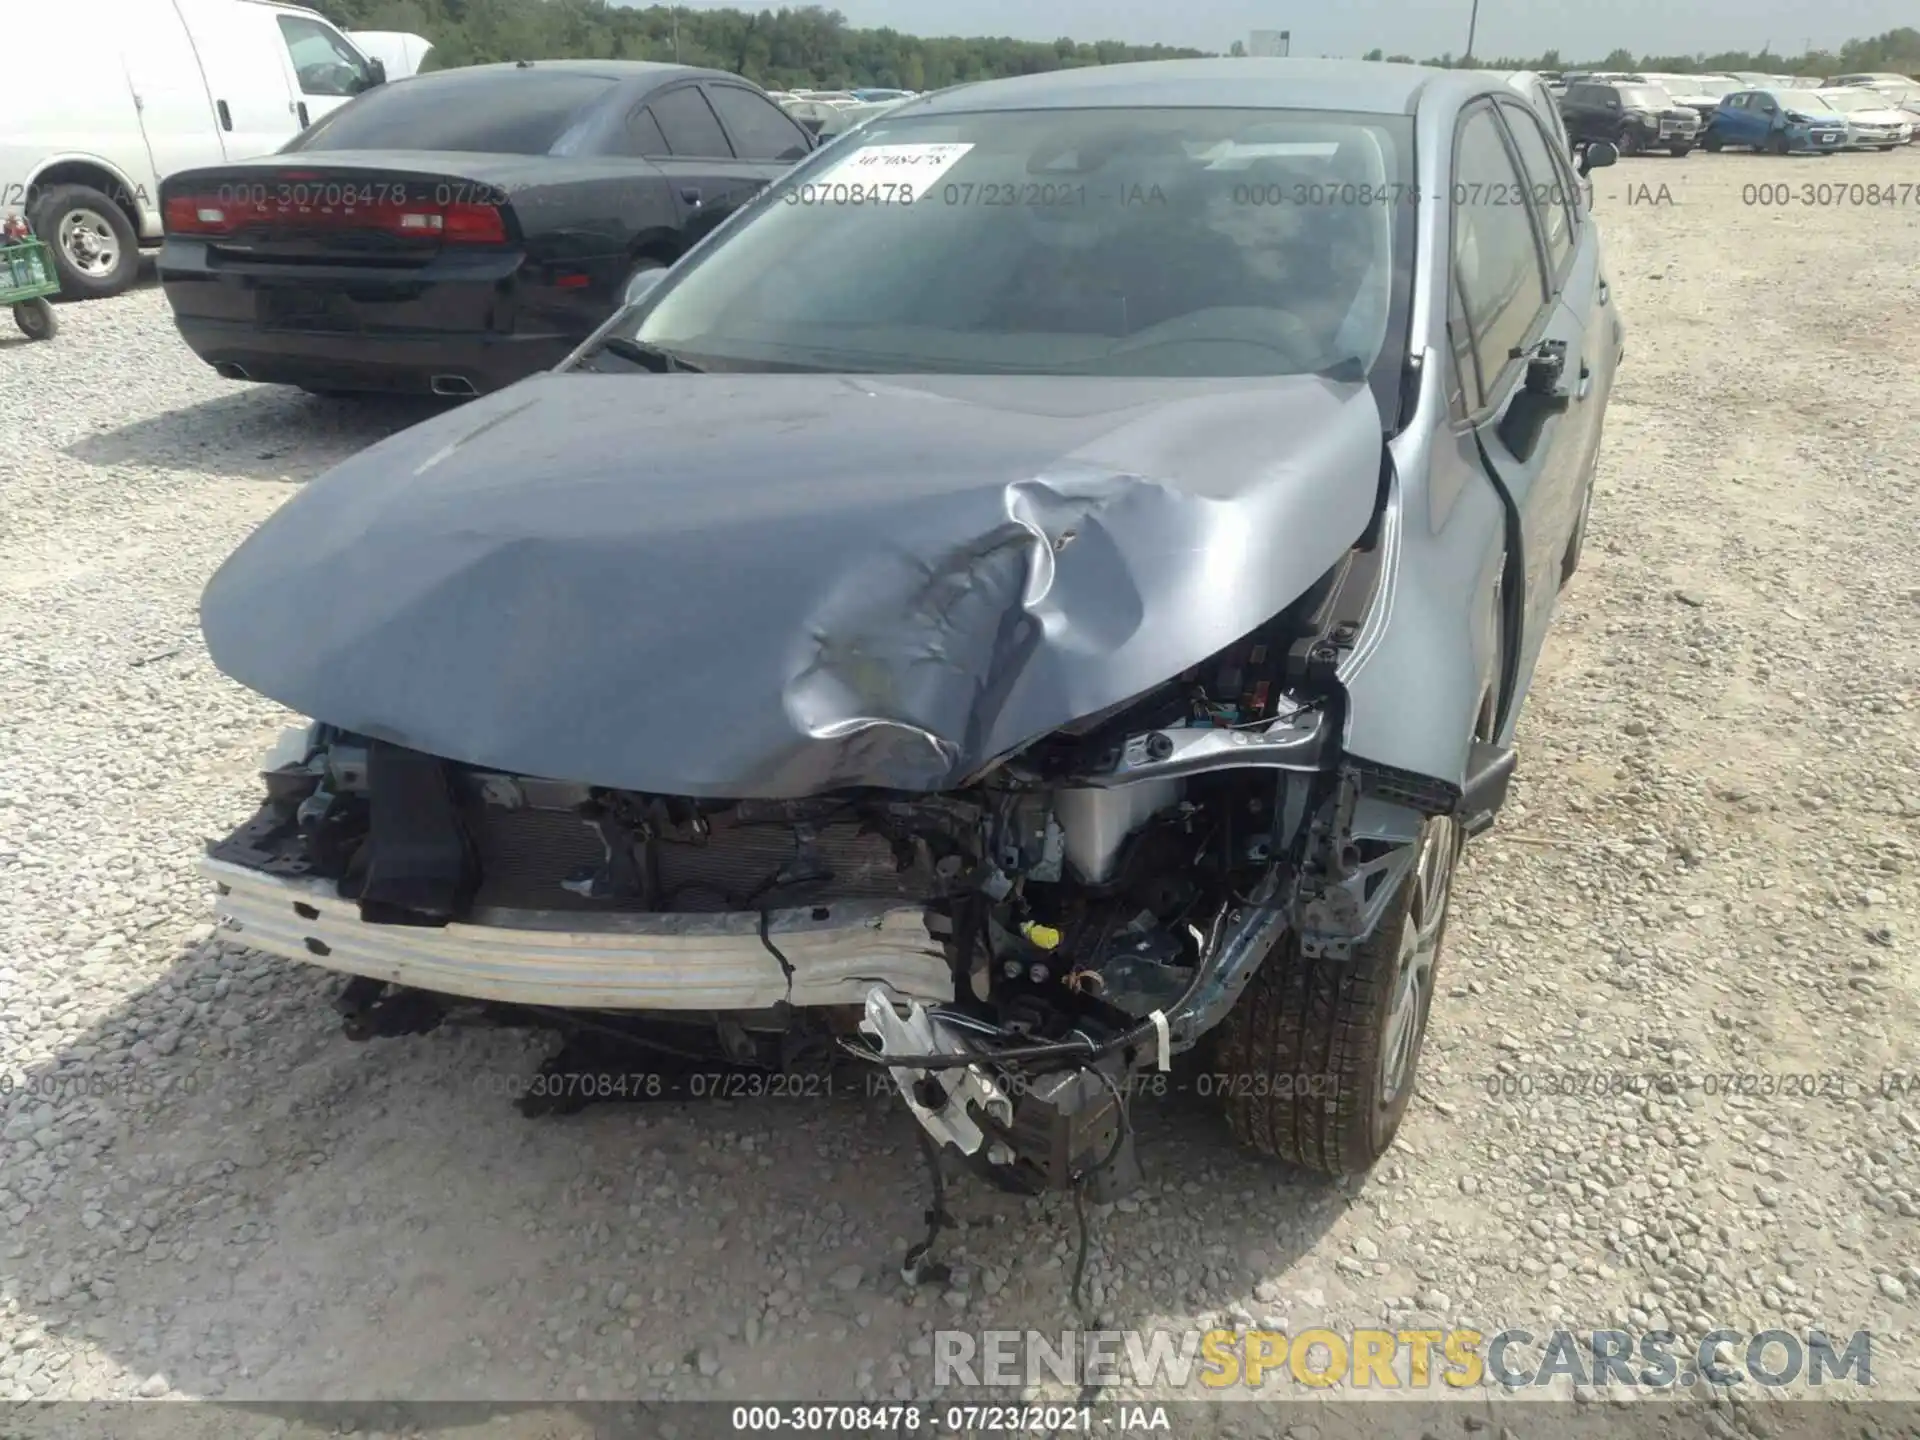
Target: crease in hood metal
[{"x": 768, "y": 586}]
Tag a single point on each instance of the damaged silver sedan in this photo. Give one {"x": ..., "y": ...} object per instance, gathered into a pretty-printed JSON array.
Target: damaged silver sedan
[{"x": 1048, "y": 586}]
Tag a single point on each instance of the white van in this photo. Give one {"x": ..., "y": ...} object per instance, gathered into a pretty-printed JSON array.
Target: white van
[{"x": 88, "y": 131}]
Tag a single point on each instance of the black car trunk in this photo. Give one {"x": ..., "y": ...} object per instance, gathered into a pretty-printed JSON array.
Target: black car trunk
[{"x": 345, "y": 246}]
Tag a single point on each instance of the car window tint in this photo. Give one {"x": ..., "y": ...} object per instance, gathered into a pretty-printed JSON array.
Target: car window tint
[
  {"x": 689, "y": 125},
  {"x": 760, "y": 129},
  {"x": 641, "y": 136},
  {"x": 501, "y": 112},
  {"x": 322, "y": 61},
  {"x": 1552, "y": 201},
  {"x": 1495, "y": 257}
]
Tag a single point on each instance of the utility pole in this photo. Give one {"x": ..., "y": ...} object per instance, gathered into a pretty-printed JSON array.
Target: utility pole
[
  {"x": 675, "y": 12},
  {"x": 1286, "y": 42},
  {"x": 1473, "y": 24}
]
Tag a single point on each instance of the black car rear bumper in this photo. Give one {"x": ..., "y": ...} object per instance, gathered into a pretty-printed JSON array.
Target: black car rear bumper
[{"x": 409, "y": 364}]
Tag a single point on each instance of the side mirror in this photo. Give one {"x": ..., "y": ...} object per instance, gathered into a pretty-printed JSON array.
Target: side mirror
[
  {"x": 376, "y": 71},
  {"x": 641, "y": 282},
  {"x": 1598, "y": 155}
]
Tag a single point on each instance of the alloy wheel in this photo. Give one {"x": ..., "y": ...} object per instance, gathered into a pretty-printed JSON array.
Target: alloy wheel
[{"x": 1420, "y": 933}]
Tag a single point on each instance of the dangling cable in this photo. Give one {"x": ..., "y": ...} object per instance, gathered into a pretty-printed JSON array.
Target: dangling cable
[{"x": 915, "y": 1269}]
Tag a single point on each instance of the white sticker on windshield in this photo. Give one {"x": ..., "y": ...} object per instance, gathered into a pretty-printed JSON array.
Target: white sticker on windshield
[{"x": 880, "y": 174}]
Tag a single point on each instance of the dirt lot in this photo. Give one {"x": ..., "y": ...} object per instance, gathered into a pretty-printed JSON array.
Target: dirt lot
[{"x": 1711, "y": 871}]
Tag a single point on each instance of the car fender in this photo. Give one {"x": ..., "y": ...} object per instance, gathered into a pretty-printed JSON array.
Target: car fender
[{"x": 1420, "y": 669}]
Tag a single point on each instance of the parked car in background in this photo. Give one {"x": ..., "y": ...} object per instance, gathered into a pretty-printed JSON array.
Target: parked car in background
[
  {"x": 620, "y": 680},
  {"x": 881, "y": 96},
  {"x": 455, "y": 231},
  {"x": 402, "y": 54},
  {"x": 1874, "y": 122},
  {"x": 1700, "y": 93},
  {"x": 1876, "y": 80},
  {"x": 1781, "y": 121},
  {"x": 849, "y": 117},
  {"x": 1909, "y": 107},
  {"x": 1635, "y": 117},
  {"x": 815, "y": 115},
  {"x": 92, "y": 121}
]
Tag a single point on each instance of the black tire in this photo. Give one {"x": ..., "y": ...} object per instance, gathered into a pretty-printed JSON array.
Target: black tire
[
  {"x": 1629, "y": 142},
  {"x": 100, "y": 228},
  {"x": 1710, "y": 145},
  {"x": 36, "y": 319},
  {"x": 1306, "y": 1050},
  {"x": 1777, "y": 144},
  {"x": 1680, "y": 152}
]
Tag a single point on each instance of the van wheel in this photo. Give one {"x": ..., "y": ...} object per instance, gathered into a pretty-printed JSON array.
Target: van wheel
[
  {"x": 94, "y": 247},
  {"x": 1319, "y": 1056}
]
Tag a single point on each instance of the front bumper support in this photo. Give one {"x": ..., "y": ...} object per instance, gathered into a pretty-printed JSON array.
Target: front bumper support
[{"x": 597, "y": 961}]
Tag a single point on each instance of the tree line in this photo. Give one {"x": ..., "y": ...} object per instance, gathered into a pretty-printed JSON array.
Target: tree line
[
  {"x": 810, "y": 46},
  {"x": 781, "y": 49},
  {"x": 1897, "y": 51}
]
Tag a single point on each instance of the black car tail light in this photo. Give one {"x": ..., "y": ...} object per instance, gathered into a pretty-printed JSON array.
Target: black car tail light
[{"x": 237, "y": 208}]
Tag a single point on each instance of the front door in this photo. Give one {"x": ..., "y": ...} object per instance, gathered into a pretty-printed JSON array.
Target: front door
[
  {"x": 323, "y": 67},
  {"x": 1509, "y": 300}
]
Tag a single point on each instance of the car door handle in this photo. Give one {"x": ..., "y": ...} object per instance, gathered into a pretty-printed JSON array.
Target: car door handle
[
  {"x": 1606, "y": 292},
  {"x": 301, "y": 110},
  {"x": 690, "y": 194},
  {"x": 226, "y": 115},
  {"x": 1586, "y": 382}
]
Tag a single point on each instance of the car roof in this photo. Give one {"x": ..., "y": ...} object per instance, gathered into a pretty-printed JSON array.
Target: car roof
[
  {"x": 1365, "y": 86},
  {"x": 616, "y": 70}
]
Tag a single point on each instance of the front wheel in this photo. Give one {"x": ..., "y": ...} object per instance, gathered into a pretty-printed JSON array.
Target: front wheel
[
  {"x": 1680, "y": 152},
  {"x": 1711, "y": 145},
  {"x": 1318, "y": 1057},
  {"x": 1629, "y": 142},
  {"x": 36, "y": 319},
  {"x": 1777, "y": 144}
]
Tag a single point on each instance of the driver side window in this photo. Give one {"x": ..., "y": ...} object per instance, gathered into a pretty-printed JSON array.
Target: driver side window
[{"x": 323, "y": 62}]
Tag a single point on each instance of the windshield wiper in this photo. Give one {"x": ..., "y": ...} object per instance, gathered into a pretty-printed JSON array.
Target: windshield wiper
[{"x": 650, "y": 357}]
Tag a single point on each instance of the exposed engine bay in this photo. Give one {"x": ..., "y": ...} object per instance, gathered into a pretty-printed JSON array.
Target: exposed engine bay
[{"x": 1010, "y": 952}]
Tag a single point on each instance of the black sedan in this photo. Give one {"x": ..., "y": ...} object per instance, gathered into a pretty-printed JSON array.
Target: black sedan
[{"x": 456, "y": 231}]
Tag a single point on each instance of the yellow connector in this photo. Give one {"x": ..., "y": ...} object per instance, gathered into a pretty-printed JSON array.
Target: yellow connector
[{"x": 1044, "y": 936}]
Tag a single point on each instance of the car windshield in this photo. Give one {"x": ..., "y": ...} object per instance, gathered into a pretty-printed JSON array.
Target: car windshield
[
  {"x": 1644, "y": 97},
  {"x": 500, "y": 112},
  {"x": 1805, "y": 101},
  {"x": 1849, "y": 101},
  {"x": 1175, "y": 242}
]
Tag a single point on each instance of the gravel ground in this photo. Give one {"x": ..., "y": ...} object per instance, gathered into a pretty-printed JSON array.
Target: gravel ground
[{"x": 1709, "y": 870}]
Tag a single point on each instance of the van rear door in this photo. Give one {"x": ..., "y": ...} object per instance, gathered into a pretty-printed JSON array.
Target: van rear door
[{"x": 244, "y": 61}]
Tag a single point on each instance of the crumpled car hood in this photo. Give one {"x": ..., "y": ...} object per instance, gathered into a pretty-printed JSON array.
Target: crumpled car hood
[{"x": 768, "y": 586}]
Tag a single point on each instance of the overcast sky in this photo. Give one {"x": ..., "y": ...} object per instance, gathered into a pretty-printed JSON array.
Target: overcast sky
[{"x": 1579, "y": 29}]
